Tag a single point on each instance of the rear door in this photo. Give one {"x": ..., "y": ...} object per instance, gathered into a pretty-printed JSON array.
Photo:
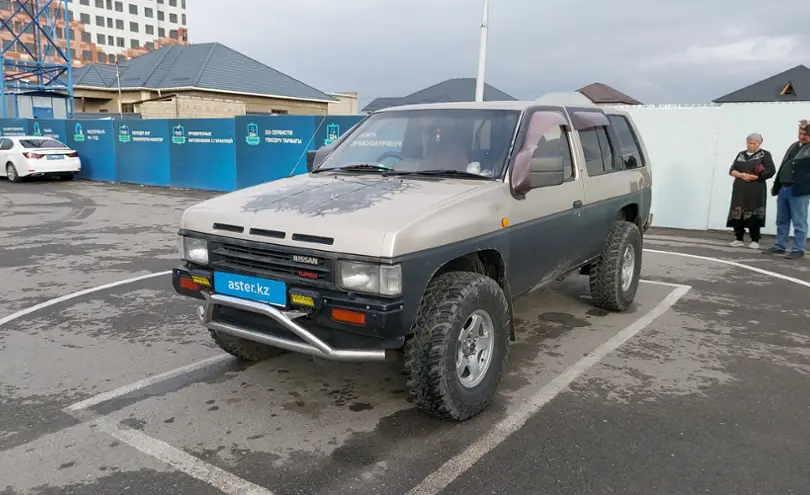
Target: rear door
[{"x": 615, "y": 176}]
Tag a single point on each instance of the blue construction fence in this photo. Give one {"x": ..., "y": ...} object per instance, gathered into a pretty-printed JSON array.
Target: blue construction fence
[{"x": 208, "y": 154}]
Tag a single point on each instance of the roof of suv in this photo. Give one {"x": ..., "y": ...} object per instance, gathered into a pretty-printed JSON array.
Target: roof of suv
[{"x": 551, "y": 99}]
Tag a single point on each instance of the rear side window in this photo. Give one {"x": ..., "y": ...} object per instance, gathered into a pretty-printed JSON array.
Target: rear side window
[
  {"x": 597, "y": 145},
  {"x": 628, "y": 142},
  {"x": 598, "y": 151},
  {"x": 41, "y": 143}
]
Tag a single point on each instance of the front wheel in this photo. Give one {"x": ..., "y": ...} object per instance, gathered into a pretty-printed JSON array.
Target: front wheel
[
  {"x": 457, "y": 352},
  {"x": 614, "y": 278}
]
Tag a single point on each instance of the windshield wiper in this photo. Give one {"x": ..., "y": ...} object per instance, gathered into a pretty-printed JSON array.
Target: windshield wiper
[
  {"x": 355, "y": 167},
  {"x": 440, "y": 173}
]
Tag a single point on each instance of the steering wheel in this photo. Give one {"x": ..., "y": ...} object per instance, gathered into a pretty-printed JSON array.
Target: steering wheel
[{"x": 390, "y": 154}]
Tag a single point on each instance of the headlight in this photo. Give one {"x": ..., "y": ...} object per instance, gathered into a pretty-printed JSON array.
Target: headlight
[
  {"x": 385, "y": 280},
  {"x": 194, "y": 250}
]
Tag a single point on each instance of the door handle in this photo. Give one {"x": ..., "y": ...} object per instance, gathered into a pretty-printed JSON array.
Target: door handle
[{"x": 577, "y": 204}]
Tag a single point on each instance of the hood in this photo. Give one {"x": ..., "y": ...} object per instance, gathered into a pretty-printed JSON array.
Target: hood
[{"x": 344, "y": 213}]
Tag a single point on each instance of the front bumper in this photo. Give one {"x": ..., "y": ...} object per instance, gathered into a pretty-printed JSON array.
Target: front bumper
[{"x": 311, "y": 332}]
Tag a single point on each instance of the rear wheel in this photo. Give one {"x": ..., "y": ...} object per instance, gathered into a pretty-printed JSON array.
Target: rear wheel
[
  {"x": 457, "y": 353},
  {"x": 11, "y": 173},
  {"x": 614, "y": 278},
  {"x": 244, "y": 349}
]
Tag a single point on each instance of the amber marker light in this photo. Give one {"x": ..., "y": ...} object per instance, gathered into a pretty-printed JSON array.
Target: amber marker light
[
  {"x": 504, "y": 222},
  {"x": 346, "y": 316}
]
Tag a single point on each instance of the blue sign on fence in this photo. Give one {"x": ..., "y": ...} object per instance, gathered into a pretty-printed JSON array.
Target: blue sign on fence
[
  {"x": 49, "y": 128},
  {"x": 272, "y": 147},
  {"x": 94, "y": 140},
  {"x": 332, "y": 127},
  {"x": 142, "y": 152},
  {"x": 208, "y": 154},
  {"x": 203, "y": 154},
  {"x": 13, "y": 127}
]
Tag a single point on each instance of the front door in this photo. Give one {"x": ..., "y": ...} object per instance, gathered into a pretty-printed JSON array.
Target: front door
[{"x": 547, "y": 221}]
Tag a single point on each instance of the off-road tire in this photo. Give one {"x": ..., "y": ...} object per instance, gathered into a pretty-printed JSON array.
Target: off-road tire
[
  {"x": 606, "y": 274},
  {"x": 430, "y": 350},
  {"x": 15, "y": 174},
  {"x": 244, "y": 349}
]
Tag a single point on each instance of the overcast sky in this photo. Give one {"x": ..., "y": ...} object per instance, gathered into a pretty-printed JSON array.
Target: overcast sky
[{"x": 658, "y": 51}]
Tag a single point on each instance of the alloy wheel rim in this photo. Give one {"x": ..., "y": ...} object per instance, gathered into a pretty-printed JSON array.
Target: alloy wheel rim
[
  {"x": 628, "y": 267},
  {"x": 475, "y": 346}
]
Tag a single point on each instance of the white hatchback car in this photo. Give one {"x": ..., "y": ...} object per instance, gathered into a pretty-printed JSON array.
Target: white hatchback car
[{"x": 37, "y": 156}]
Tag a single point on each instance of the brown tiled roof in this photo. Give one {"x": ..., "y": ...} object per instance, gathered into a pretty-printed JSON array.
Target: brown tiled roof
[{"x": 602, "y": 93}]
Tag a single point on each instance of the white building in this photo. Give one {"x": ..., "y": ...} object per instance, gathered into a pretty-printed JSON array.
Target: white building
[{"x": 120, "y": 26}]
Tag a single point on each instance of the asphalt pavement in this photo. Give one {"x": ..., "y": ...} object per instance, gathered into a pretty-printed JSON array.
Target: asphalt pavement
[{"x": 110, "y": 386}]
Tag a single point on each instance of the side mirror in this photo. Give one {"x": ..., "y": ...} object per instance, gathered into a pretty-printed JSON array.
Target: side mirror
[
  {"x": 521, "y": 173},
  {"x": 316, "y": 157},
  {"x": 531, "y": 173},
  {"x": 311, "y": 159},
  {"x": 547, "y": 171}
]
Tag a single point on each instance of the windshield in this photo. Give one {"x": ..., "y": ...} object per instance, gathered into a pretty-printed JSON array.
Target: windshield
[
  {"x": 460, "y": 140},
  {"x": 41, "y": 143}
]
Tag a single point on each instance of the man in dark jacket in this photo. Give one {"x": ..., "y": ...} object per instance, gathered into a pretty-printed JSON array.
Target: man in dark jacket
[{"x": 791, "y": 187}]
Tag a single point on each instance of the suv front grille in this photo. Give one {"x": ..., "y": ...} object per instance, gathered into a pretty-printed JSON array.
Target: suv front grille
[{"x": 268, "y": 260}]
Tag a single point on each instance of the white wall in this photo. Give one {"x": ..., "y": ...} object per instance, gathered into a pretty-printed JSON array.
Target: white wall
[{"x": 691, "y": 149}]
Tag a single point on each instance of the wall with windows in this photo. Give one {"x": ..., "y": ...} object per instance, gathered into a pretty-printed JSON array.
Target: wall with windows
[
  {"x": 118, "y": 27},
  {"x": 103, "y": 31}
]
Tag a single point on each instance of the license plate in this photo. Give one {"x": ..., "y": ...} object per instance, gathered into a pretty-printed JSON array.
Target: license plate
[
  {"x": 253, "y": 288},
  {"x": 55, "y": 157}
]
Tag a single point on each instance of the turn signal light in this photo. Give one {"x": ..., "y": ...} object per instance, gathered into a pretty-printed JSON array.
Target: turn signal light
[
  {"x": 188, "y": 284},
  {"x": 346, "y": 316}
]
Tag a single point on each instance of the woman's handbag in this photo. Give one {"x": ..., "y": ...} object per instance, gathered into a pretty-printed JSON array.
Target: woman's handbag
[{"x": 759, "y": 169}]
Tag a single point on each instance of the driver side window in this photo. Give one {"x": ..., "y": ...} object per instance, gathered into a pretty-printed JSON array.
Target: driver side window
[
  {"x": 5, "y": 144},
  {"x": 552, "y": 150},
  {"x": 554, "y": 145}
]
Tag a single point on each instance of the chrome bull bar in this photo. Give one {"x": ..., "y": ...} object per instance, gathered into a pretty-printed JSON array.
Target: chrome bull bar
[{"x": 312, "y": 345}]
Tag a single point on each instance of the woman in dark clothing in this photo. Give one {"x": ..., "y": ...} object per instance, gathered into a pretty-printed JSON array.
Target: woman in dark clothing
[{"x": 751, "y": 168}]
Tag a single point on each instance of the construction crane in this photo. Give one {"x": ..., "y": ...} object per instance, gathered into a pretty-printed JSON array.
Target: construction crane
[{"x": 36, "y": 53}]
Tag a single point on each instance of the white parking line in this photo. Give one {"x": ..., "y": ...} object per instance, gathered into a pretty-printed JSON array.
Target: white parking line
[
  {"x": 146, "y": 382},
  {"x": 456, "y": 466},
  {"x": 73, "y": 295},
  {"x": 736, "y": 265},
  {"x": 178, "y": 459},
  {"x": 664, "y": 284}
]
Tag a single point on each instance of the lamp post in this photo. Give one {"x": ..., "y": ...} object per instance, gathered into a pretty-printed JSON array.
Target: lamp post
[{"x": 482, "y": 55}]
